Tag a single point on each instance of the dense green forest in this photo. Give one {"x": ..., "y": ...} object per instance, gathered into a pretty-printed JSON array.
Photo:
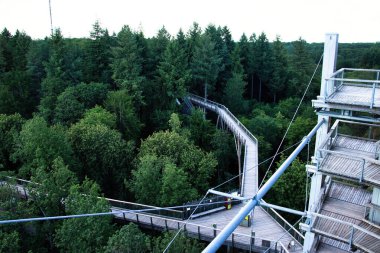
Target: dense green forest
[{"x": 101, "y": 116}]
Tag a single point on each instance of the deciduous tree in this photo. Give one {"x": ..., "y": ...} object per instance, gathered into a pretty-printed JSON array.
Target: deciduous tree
[{"x": 88, "y": 234}]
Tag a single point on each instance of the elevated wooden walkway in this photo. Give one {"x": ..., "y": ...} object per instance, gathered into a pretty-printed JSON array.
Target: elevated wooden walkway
[
  {"x": 264, "y": 234},
  {"x": 350, "y": 157},
  {"x": 351, "y": 90},
  {"x": 250, "y": 167},
  {"x": 349, "y": 94},
  {"x": 347, "y": 204}
]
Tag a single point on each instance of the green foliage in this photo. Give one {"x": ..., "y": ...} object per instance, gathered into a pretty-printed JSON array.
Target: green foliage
[
  {"x": 224, "y": 150},
  {"x": 90, "y": 94},
  {"x": 9, "y": 242},
  {"x": 94, "y": 231},
  {"x": 56, "y": 80},
  {"x": 175, "y": 123},
  {"x": 280, "y": 69},
  {"x": 98, "y": 55},
  {"x": 10, "y": 126},
  {"x": 175, "y": 186},
  {"x": 235, "y": 87},
  {"x": 181, "y": 244},
  {"x": 68, "y": 109},
  {"x": 233, "y": 94},
  {"x": 161, "y": 156},
  {"x": 53, "y": 186},
  {"x": 289, "y": 191},
  {"x": 157, "y": 47},
  {"x": 127, "y": 65},
  {"x": 174, "y": 75},
  {"x": 371, "y": 57},
  {"x": 121, "y": 104},
  {"x": 205, "y": 65},
  {"x": 201, "y": 129},
  {"x": 301, "y": 67},
  {"x": 51, "y": 87},
  {"x": 15, "y": 87},
  {"x": 14, "y": 237},
  {"x": 103, "y": 154},
  {"x": 9, "y": 200},
  {"x": 149, "y": 169},
  {"x": 99, "y": 116},
  {"x": 49, "y": 193},
  {"x": 262, "y": 61},
  {"x": 221, "y": 37},
  {"x": 267, "y": 129},
  {"x": 74, "y": 100},
  {"x": 39, "y": 145},
  {"x": 129, "y": 239}
]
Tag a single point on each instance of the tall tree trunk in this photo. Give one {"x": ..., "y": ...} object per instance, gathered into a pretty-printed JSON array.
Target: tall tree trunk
[
  {"x": 204, "y": 110},
  {"x": 252, "y": 86},
  {"x": 260, "y": 92}
]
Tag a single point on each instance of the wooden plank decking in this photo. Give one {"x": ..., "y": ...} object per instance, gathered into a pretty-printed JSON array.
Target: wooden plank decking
[
  {"x": 348, "y": 163},
  {"x": 250, "y": 168},
  {"x": 354, "y": 95},
  {"x": 266, "y": 231},
  {"x": 325, "y": 247},
  {"x": 347, "y": 203}
]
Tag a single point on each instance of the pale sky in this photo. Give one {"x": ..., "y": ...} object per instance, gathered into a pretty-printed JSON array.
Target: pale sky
[{"x": 355, "y": 21}]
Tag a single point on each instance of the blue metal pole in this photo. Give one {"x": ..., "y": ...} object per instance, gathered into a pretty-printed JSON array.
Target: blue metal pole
[{"x": 227, "y": 231}]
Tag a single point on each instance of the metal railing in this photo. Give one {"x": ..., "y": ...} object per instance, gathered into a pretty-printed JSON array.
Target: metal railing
[
  {"x": 244, "y": 166},
  {"x": 21, "y": 186},
  {"x": 215, "y": 106},
  {"x": 322, "y": 194},
  {"x": 297, "y": 235},
  {"x": 369, "y": 78},
  {"x": 164, "y": 212},
  {"x": 219, "y": 201},
  {"x": 247, "y": 242},
  {"x": 347, "y": 232},
  {"x": 330, "y": 141}
]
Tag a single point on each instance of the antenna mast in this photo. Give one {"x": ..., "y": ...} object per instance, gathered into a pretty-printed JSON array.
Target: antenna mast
[{"x": 51, "y": 19}]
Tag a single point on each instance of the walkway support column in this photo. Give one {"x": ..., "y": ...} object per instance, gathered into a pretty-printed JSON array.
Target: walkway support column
[{"x": 328, "y": 68}]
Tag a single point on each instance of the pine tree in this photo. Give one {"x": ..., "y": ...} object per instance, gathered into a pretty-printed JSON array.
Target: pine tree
[
  {"x": 301, "y": 67},
  {"x": 234, "y": 90},
  {"x": 193, "y": 40},
  {"x": 263, "y": 64},
  {"x": 244, "y": 49},
  {"x": 97, "y": 67},
  {"x": 56, "y": 76},
  {"x": 158, "y": 46},
  {"x": 174, "y": 75},
  {"x": 127, "y": 65},
  {"x": 181, "y": 40},
  {"x": 205, "y": 66},
  {"x": 280, "y": 69}
]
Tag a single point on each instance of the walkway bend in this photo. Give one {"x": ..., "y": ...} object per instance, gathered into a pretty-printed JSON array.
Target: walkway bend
[{"x": 250, "y": 167}]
